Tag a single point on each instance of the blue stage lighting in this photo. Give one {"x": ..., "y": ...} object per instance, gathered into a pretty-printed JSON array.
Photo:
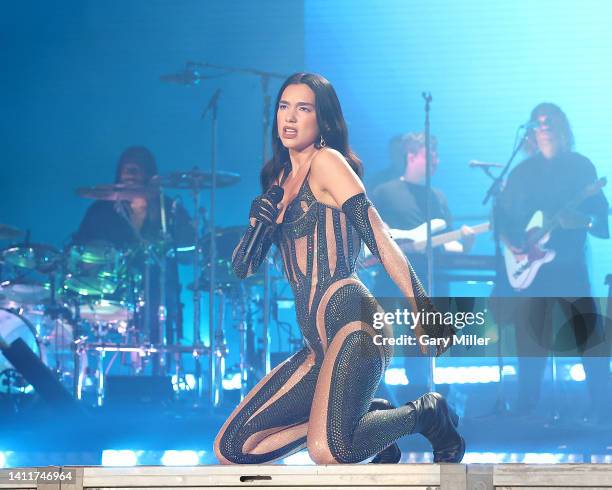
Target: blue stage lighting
[
  {"x": 298, "y": 459},
  {"x": 542, "y": 458},
  {"x": 186, "y": 383},
  {"x": 488, "y": 458},
  {"x": 232, "y": 382},
  {"x": 2, "y": 460},
  {"x": 180, "y": 458},
  {"x": 396, "y": 376},
  {"x": 120, "y": 457},
  {"x": 466, "y": 375},
  {"x": 576, "y": 372}
]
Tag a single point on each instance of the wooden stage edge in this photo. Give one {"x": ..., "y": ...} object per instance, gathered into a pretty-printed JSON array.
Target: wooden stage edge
[{"x": 361, "y": 477}]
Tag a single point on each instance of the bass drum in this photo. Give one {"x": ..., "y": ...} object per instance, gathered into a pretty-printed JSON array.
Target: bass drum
[
  {"x": 49, "y": 339},
  {"x": 12, "y": 327}
]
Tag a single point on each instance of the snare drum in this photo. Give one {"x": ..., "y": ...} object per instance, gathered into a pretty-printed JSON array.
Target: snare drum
[{"x": 105, "y": 311}]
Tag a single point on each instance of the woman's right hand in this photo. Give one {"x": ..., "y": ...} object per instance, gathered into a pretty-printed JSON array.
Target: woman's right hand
[{"x": 263, "y": 210}]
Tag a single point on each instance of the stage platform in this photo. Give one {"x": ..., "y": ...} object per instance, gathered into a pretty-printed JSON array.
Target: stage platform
[{"x": 362, "y": 477}]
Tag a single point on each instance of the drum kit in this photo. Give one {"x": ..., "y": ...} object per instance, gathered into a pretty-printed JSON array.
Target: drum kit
[{"x": 74, "y": 306}]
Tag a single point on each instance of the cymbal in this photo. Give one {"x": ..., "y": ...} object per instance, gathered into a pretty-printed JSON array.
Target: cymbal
[
  {"x": 117, "y": 192},
  {"x": 9, "y": 232},
  {"x": 196, "y": 179}
]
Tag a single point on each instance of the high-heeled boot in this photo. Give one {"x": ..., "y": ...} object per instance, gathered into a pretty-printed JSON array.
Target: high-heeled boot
[
  {"x": 391, "y": 454},
  {"x": 438, "y": 423}
]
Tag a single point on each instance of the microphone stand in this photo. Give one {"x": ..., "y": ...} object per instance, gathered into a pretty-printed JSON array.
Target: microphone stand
[
  {"x": 265, "y": 77},
  {"x": 429, "y": 245},
  {"x": 265, "y": 351},
  {"x": 493, "y": 192}
]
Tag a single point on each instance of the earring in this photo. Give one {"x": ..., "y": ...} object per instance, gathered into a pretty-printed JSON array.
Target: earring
[{"x": 322, "y": 142}]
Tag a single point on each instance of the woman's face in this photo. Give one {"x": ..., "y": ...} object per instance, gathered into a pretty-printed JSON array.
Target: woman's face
[{"x": 296, "y": 117}]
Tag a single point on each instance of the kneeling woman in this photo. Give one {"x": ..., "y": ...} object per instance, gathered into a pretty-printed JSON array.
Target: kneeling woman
[{"x": 322, "y": 396}]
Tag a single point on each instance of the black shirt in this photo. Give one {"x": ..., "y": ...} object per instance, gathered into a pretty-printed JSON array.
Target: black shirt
[
  {"x": 548, "y": 185},
  {"x": 109, "y": 221},
  {"x": 402, "y": 205}
]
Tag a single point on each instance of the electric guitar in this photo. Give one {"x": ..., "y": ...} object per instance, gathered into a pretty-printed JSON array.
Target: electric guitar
[
  {"x": 415, "y": 239},
  {"x": 522, "y": 265}
]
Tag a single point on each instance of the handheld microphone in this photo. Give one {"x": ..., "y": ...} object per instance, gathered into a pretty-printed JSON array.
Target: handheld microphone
[{"x": 274, "y": 195}]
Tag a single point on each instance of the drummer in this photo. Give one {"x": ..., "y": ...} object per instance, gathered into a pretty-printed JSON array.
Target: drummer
[
  {"x": 128, "y": 226},
  {"x": 128, "y": 223}
]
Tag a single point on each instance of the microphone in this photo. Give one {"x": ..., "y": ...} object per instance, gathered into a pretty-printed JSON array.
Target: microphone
[
  {"x": 477, "y": 163},
  {"x": 185, "y": 77},
  {"x": 212, "y": 102},
  {"x": 530, "y": 125},
  {"x": 275, "y": 195}
]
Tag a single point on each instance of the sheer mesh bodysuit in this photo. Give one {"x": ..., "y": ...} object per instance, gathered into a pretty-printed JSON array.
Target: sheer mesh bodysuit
[{"x": 320, "y": 396}]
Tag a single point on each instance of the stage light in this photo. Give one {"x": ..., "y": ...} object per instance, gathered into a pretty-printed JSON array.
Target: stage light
[
  {"x": 121, "y": 457},
  {"x": 2, "y": 460},
  {"x": 231, "y": 382},
  {"x": 577, "y": 373},
  {"x": 180, "y": 458},
  {"x": 185, "y": 383},
  {"x": 298, "y": 459},
  {"x": 481, "y": 458},
  {"x": 396, "y": 377},
  {"x": 466, "y": 375},
  {"x": 508, "y": 370},
  {"x": 541, "y": 458}
]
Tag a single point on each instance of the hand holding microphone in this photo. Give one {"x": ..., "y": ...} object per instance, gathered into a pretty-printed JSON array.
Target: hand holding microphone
[{"x": 264, "y": 210}]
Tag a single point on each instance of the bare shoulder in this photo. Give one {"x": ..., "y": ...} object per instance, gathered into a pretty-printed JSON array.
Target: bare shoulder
[
  {"x": 329, "y": 159},
  {"x": 332, "y": 178}
]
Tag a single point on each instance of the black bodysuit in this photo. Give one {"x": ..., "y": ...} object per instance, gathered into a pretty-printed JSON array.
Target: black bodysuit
[{"x": 321, "y": 395}]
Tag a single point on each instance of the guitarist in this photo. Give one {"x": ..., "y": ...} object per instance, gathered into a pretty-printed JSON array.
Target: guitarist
[
  {"x": 551, "y": 177},
  {"x": 403, "y": 200}
]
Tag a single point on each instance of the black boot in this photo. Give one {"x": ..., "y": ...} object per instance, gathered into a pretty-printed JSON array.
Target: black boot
[
  {"x": 391, "y": 454},
  {"x": 438, "y": 423}
]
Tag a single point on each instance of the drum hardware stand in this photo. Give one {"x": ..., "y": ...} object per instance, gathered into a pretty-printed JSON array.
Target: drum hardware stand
[
  {"x": 265, "y": 79},
  {"x": 242, "y": 335},
  {"x": 101, "y": 348},
  {"x": 213, "y": 359},
  {"x": 218, "y": 354},
  {"x": 162, "y": 312}
]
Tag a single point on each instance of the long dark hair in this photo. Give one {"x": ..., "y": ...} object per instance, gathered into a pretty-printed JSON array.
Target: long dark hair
[
  {"x": 141, "y": 156},
  {"x": 330, "y": 120},
  {"x": 558, "y": 123}
]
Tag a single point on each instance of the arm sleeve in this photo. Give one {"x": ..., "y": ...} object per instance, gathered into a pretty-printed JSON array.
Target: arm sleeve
[
  {"x": 366, "y": 220},
  {"x": 245, "y": 265},
  {"x": 509, "y": 216},
  {"x": 596, "y": 206}
]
